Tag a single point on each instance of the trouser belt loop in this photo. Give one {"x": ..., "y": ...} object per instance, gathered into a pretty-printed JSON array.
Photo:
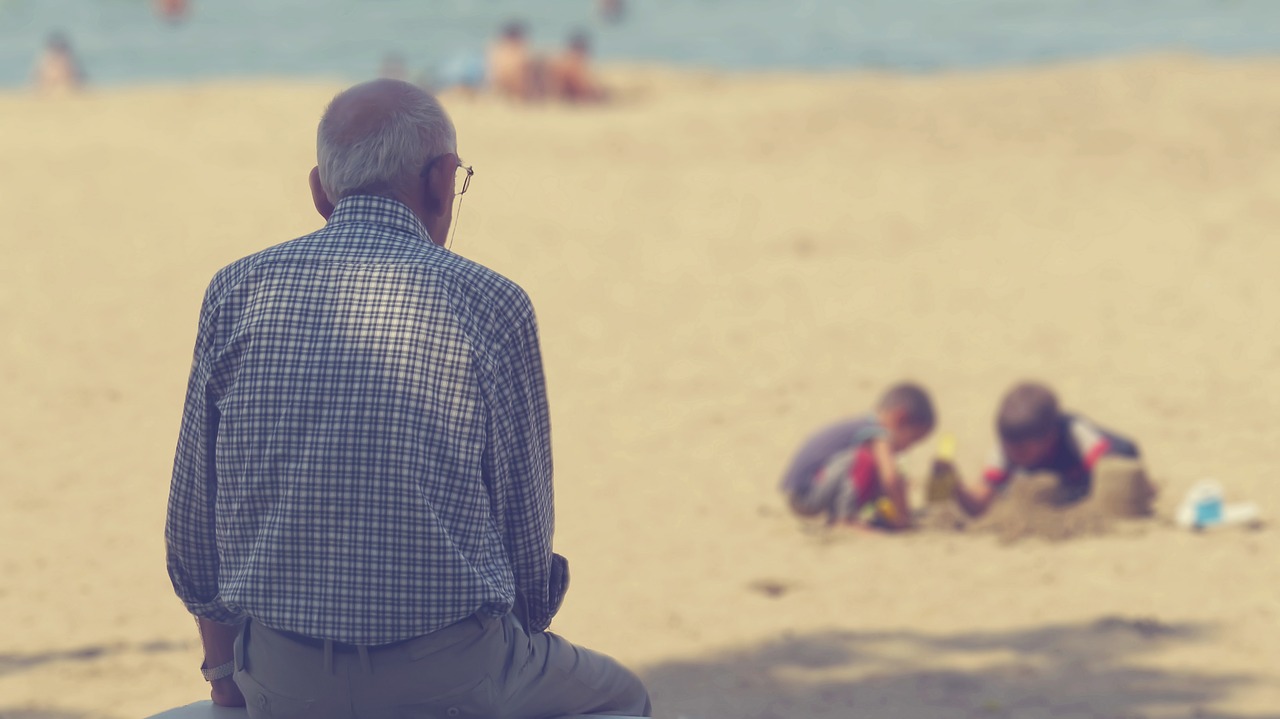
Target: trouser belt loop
[
  {"x": 328, "y": 656},
  {"x": 363, "y": 651}
]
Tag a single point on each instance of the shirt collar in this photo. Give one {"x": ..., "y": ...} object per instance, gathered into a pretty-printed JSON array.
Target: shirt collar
[{"x": 380, "y": 211}]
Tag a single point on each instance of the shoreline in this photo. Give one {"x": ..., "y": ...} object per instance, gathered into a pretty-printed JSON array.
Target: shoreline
[{"x": 641, "y": 70}]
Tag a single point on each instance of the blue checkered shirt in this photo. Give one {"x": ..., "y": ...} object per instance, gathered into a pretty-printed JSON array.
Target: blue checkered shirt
[{"x": 365, "y": 450}]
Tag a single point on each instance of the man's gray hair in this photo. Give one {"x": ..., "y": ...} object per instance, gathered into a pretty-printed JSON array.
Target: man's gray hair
[{"x": 376, "y": 138}]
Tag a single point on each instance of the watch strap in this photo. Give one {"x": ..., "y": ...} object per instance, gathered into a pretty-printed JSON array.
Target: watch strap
[{"x": 222, "y": 671}]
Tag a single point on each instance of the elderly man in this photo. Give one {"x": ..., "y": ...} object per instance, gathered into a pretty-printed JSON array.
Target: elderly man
[{"x": 360, "y": 516}]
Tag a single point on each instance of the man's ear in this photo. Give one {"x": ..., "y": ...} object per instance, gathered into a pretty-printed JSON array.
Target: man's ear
[
  {"x": 438, "y": 188},
  {"x": 321, "y": 200}
]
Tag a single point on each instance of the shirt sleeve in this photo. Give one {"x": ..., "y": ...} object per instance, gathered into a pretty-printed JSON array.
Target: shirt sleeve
[
  {"x": 190, "y": 538},
  {"x": 998, "y": 471},
  {"x": 1091, "y": 443},
  {"x": 522, "y": 471}
]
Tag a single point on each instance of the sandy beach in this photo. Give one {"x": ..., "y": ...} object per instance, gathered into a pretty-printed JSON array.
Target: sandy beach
[{"x": 721, "y": 264}]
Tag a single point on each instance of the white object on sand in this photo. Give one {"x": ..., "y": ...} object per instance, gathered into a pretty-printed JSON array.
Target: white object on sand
[{"x": 1204, "y": 507}]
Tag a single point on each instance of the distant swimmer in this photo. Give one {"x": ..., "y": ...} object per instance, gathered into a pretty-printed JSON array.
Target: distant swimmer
[
  {"x": 57, "y": 69},
  {"x": 569, "y": 74},
  {"x": 462, "y": 71},
  {"x": 173, "y": 11},
  {"x": 393, "y": 67},
  {"x": 512, "y": 66},
  {"x": 611, "y": 10}
]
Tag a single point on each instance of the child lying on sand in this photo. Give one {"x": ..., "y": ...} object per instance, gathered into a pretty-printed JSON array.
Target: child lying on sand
[
  {"x": 1036, "y": 436},
  {"x": 850, "y": 465}
]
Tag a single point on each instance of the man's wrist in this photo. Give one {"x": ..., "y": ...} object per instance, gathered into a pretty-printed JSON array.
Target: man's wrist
[{"x": 222, "y": 671}]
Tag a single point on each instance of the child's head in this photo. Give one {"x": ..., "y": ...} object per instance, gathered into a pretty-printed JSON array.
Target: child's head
[
  {"x": 907, "y": 415},
  {"x": 1029, "y": 424}
]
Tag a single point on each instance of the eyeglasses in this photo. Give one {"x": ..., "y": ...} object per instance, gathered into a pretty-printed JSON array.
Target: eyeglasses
[
  {"x": 466, "y": 179},
  {"x": 466, "y": 184}
]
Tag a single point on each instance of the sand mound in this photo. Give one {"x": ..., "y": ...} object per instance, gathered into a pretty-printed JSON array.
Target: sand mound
[
  {"x": 1034, "y": 506},
  {"x": 943, "y": 518},
  {"x": 1122, "y": 489}
]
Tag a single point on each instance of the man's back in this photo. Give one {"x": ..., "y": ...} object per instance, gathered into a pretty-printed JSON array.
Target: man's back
[
  {"x": 360, "y": 516},
  {"x": 381, "y": 434}
]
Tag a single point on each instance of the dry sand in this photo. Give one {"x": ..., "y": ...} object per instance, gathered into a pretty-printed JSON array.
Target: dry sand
[{"x": 720, "y": 264}]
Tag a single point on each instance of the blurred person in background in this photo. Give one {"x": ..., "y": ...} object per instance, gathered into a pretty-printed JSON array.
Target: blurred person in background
[
  {"x": 611, "y": 10},
  {"x": 57, "y": 69},
  {"x": 463, "y": 71},
  {"x": 171, "y": 11},
  {"x": 569, "y": 75},
  {"x": 393, "y": 67},
  {"x": 514, "y": 71}
]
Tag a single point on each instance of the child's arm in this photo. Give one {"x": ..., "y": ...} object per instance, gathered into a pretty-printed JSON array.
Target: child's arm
[
  {"x": 893, "y": 484},
  {"x": 975, "y": 501}
]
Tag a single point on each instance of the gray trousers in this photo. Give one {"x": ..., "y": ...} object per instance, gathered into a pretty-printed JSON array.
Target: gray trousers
[{"x": 477, "y": 668}]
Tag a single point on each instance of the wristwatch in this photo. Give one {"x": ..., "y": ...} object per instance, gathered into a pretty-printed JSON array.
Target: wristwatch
[{"x": 222, "y": 671}]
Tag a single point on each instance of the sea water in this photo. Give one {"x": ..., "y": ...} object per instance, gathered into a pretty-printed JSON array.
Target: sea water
[{"x": 123, "y": 41}]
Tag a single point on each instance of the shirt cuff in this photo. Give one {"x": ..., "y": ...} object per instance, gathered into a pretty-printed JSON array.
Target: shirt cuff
[{"x": 215, "y": 611}]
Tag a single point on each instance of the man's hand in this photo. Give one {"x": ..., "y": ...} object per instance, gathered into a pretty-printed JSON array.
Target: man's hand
[
  {"x": 219, "y": 649},
  {"x": 225, "y": 693}
]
